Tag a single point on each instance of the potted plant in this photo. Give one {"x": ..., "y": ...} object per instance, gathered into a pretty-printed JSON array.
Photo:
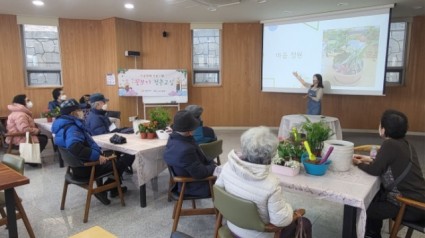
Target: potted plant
[
  {"x": 51, "y": 114},
  {"x": 316, "y": 133},
  {"x": 161, "y": 116},
  {"x": 143, "y": 130},
  {"x": 151, "y": 129}
]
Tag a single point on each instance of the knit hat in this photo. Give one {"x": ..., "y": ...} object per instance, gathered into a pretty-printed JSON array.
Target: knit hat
[
  {"x": 95, "y": 97},
  {"x": 185, "y": 121},
  {"x": 69, "y": 106},
  {"x": 196, "y": 110}
]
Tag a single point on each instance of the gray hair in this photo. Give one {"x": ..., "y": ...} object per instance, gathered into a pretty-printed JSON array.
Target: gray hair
[
  {"x": 259, "y": 145},
  {"x": 94, "y": 104}
]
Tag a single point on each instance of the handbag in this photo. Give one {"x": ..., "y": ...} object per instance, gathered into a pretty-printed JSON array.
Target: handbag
[
  {"x": 30, "y": 151},
  {"x": 117, "y": 139}
]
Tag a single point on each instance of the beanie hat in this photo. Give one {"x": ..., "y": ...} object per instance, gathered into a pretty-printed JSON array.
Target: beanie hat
[
  {"x": 196, "y": 110},
  {"x": 69, "y": 106},
  {"x": 95, "y": 97},
  {"x": 185, "y": 121}
]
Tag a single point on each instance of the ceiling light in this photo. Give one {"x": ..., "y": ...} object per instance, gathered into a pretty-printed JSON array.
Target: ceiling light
[
  {"x": 38, "y": 3},
  {"x": 129, "y": 6}
]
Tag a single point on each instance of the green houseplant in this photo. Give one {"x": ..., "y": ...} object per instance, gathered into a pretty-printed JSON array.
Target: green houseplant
[
  {"x": 160, "y": 117},
  {"x": 316, "y": 133}
]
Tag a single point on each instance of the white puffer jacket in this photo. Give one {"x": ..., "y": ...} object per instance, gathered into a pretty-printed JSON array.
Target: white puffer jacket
[{"x": 254, "y": 182}]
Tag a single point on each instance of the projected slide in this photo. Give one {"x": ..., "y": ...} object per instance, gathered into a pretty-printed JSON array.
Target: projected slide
[{"x": 350, "y": 54}]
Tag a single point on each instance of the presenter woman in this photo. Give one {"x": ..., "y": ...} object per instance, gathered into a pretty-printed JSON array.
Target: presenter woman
[{"x": 314, "y": 94}]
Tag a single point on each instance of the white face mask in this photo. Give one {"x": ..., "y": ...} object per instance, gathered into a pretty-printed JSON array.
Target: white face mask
[
  {"x": 62, "y": 97},
  {"x": 380, "y": 132},
  {"x": 29, "y": 105},
  {"x": 104, "y": 107}
]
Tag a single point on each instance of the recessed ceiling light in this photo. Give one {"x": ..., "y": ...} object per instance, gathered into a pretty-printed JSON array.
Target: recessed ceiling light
[
  {"x": 340, "y": 4},
  {"x": 129, "y": 6},
  {"x": 38, "y": 3}
]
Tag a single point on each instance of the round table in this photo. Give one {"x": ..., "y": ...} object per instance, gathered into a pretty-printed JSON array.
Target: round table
[{"x": 290, "y": 121}]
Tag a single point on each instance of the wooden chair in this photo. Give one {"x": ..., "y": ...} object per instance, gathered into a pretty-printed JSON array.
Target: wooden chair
[
  {"x": 240, "y": 212},
  {"x": 88, "y": 184},
  {"x": 180, "y": 197},
  {"x": 16, "y": 163},
  {"x": 364, "y": 149},
  {"x": 419, "y": 226},
  {"x": 213, "y": 149}
]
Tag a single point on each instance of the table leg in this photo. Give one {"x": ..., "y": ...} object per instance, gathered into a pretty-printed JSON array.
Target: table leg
[
  {"x": 349, "y": 223},
  {"x": 11, "y": 213},
  {"x": 142, "y": 189}
]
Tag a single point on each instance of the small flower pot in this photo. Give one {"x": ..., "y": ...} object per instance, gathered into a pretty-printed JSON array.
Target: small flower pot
[
  {"x": 286, "y": 171},
  {"x": 143, "y": 135},
  {"x": 151, "y": 135},
  {"x": 315, "y": 169}
]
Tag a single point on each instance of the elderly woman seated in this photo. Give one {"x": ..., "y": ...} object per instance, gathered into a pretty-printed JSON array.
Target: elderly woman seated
[{"x": 247, "y": 175}]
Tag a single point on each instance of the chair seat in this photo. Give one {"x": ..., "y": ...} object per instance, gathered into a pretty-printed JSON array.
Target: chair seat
[
  {"x": 224, "y": 232},
  {"x": 82, "y": 181},
  {"x": 419, "y": 226},
  {"x": 175, "y": 196}
]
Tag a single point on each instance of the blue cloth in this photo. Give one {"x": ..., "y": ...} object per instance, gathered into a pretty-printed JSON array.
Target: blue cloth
[
  {"x": 313, "y": 107},
  {"x": 203, "y": 134},
  {"x": 187, "y": 159},
  {"x": 53, "y": 104},
  {"x": 97, "y": 122},
  {"x": 70, "y": 133}
]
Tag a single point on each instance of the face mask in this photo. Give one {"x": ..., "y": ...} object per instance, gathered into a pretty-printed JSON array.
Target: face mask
[
  {"x": 63, "y": 97},
  {"x": 29, "y": 105},
  {"x": 380, "y": 132},
  {"x": 104, "y": 107}
]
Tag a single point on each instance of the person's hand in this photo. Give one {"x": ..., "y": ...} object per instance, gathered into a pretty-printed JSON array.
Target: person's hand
[
  {"x": 296, "y": 74},
  {"x": 305, "y": 96},
  {"x": 103, "y": 159},
  {"x": 298, "y": 213},
  {"x": 361, "y": 159}
]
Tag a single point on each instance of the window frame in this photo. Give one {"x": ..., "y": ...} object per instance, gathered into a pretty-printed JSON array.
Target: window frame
[
  {"x": 216, "y": 71},
  {"x": 401, "y": 70},
  {"x": 30, "y": 70}
]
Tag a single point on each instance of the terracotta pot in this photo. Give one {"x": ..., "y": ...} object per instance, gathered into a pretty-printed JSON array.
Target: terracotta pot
[
  {"x": 143, "y": 135},
  {"x": 151, "y": 135},
  {"x": 49, "y": 119}
]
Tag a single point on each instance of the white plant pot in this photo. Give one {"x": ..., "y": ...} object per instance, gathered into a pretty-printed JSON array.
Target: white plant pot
[
  {"x": 341, "y": 156},
  {"x": 163, "y": 135}
]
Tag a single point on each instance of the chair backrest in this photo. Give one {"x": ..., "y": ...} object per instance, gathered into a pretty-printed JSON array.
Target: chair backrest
[
  {"x": 238, "y": 211},
  {"x": 212, "y": 149},
  {"x": 114, "y": 114},
  {"x": 70, "y": 159},
  {"x": 15, "y": 162}
]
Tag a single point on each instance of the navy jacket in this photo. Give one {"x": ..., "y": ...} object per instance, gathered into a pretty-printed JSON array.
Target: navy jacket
[
  {"x": 70, "y": 133},
  {"x": 97, "y": 122},
  {"x": 187, "y": 159},
  {"x": 53, "y": 104}
]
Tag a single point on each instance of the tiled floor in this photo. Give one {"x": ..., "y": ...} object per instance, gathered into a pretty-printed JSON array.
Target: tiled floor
[{"x": 41, "y": 200}]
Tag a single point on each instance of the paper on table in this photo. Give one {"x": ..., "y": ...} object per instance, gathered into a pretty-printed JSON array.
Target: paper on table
[{"x": 112, "y": 127}]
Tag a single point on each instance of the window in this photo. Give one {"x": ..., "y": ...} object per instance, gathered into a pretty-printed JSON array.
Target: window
[
  {"x": 396, "y": 53},
  {"x": 42, "y": 55},
  {"x": 206, "y": 56}
]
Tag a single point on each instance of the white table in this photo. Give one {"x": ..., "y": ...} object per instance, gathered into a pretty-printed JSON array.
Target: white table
[
  {"x": 149, "y": 160},
  {"x": 289, "y": 121},
  {"x": 354, "y": 188},
  {"x": 44, "y": 126}
]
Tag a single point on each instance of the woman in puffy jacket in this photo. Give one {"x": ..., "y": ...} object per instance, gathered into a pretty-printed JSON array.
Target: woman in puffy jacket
[{"x": 20, "y": 120}]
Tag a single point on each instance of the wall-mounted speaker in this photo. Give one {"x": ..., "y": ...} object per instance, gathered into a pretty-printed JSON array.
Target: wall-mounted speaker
[{"x": 132, "y": 53}]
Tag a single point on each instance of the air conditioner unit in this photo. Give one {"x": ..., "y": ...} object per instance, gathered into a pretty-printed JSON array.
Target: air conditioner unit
[{"x": 218, "y": 3}]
